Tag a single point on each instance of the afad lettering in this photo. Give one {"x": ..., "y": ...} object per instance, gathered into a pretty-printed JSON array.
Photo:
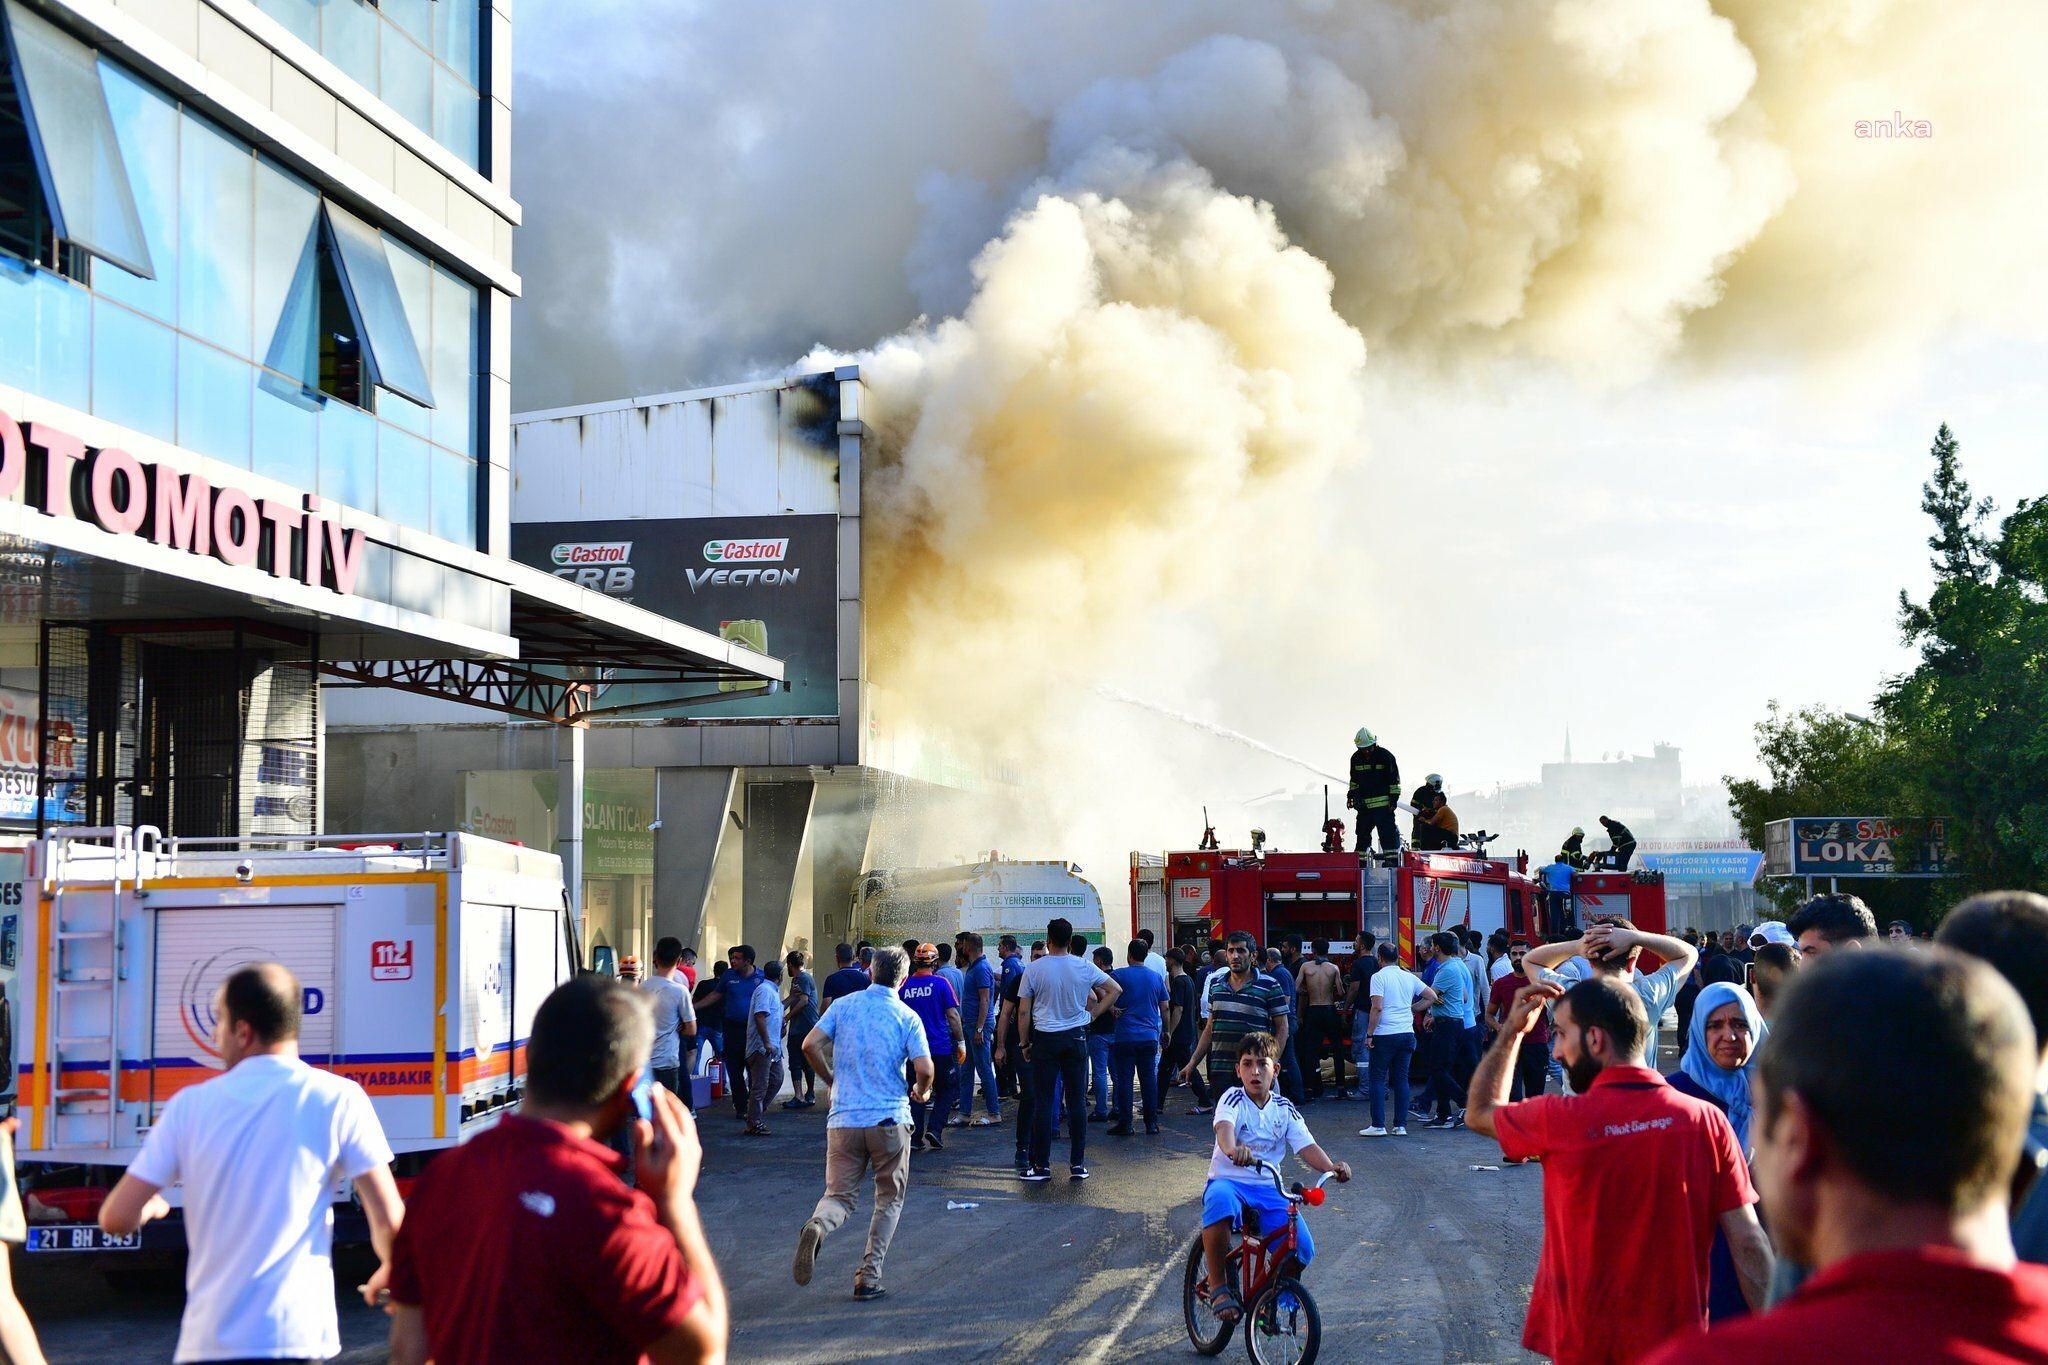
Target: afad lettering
[
  {"x": 741, "y": 578},
  {"x": 125, "y": 496}
]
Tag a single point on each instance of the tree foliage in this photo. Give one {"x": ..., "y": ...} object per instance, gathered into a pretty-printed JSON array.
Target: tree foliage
[{"x": 1964, "y": 733}]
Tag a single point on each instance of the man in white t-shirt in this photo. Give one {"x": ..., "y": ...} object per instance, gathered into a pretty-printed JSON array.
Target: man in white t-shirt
[
  {"x": 1396, "y": 994},
  {"x": 1612, "y": 947},
  {"x": 1252, "y": 1125},
  {"x": 675, "y": 1022},
  {"x": 256, "y": 1150},
  {"x": 1060, "y": 993}
]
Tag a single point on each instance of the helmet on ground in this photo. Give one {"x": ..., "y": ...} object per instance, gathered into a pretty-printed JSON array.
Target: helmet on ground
[
  {"x": 1366, "y": 738},
  {"x": 1436, "y": 779}
]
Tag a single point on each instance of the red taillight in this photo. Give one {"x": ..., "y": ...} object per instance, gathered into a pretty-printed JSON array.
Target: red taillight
[{"x": 1313, "y": 1198}]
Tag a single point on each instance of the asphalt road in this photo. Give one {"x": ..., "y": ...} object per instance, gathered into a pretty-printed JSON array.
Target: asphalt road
[{"x": 1422, "y": 1258}]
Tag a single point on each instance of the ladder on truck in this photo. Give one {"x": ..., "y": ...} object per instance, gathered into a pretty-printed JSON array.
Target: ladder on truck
[
  {"x": 85, "y": 969},
  {"x": 1376, "y": 901}
]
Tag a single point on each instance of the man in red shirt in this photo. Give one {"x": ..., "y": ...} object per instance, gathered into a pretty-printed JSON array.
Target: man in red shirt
[
  {"x": 1892, "y": 1103},
  {"x": 529, "y": 1246},
  {"x": 1635, "y": 1179}
]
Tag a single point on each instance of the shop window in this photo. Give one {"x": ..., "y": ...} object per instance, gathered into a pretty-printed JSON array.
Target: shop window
[{"x": 83, "y": 182}]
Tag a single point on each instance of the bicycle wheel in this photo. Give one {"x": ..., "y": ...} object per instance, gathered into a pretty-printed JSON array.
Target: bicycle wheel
[
  {"x": 1209, "y": 1333},
  {"x": 1284, "y": 1326}
]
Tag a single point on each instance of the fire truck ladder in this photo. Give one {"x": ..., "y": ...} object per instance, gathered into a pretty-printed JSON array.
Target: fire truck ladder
[
  {"x": 85, "y": 1001},
  {"x": 1376, "y": 900}
]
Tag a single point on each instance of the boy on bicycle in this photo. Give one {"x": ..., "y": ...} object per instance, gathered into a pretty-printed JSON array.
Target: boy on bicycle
[{"x": 1252, "y": 1125}]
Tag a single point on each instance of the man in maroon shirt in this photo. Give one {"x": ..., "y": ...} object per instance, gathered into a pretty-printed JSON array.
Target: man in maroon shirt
[
  {"x": 1636, "y": 1177},
  {"x": 1892, "y": 1103},
  {"x": 529, "y": 1246}
]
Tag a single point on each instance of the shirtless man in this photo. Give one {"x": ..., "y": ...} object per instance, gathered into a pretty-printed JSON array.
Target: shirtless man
[{"x": 1321, "y": 984}]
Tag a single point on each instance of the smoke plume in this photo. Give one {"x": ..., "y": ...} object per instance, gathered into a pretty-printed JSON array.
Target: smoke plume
[{"x": 1114, "y": 271}]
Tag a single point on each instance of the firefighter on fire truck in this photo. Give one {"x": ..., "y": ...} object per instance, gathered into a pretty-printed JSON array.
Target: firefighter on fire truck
[
  {"x": 1423, "y": 799},
  {"x": 1375, "y": 787}
]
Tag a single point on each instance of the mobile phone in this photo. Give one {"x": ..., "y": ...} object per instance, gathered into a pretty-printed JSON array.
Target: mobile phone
[{"x": 643, "y": 1095}]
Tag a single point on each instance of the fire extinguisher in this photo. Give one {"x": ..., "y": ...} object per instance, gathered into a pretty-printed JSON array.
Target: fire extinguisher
[{"x": 716, "y": 1071}]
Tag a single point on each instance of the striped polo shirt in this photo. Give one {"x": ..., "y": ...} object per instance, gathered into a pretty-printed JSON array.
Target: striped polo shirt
[{"x": 1233, "y": 1013}]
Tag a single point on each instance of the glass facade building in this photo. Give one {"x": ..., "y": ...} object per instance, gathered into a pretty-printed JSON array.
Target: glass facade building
[
  {"x": 245, "y": 339},
  {"x": 255, "y": 279},
  {"x": 423, "y": 57}
]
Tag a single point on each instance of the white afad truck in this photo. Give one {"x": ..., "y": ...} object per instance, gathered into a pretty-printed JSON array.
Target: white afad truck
[
  {"x": 422, "y": 958},
  {"x": 992, "y": 898}
]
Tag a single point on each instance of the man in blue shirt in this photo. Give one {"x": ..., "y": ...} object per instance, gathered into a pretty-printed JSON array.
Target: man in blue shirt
[
  {"x": 1008, "y": 981},
  {"x": 1135, "y": 1042},
  {"x": 846, "y": 979},
  {"x": 1290, "y": 1070},
  {"x": 736, "y": 994},
  {"x": 874, "y": 1036},
  {"x": 978, "y": 1012},
  {"x": 1453, "y": 987}
]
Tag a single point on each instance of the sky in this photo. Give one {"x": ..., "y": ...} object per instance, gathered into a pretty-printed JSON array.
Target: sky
[{"x": 1465, "y": 371}]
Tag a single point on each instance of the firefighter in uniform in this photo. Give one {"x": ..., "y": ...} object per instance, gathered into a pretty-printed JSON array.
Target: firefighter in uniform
[
  {"x": 1375, "y": 787},
  {"x": 1423, "y": 799},
  {"x": 1621, "y": 844},
  {"x": 1573, "y": 850}
]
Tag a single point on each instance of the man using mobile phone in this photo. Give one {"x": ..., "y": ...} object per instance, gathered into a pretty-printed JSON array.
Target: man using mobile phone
[{"x": 524, "y": 1244}]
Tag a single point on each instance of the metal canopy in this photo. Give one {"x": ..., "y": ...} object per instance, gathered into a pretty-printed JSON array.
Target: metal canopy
[{"x": 574, "y": 644}]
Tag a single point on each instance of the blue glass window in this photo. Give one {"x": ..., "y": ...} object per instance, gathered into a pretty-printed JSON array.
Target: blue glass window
[
  {"x": 348, "y": 455},
  {"x": 45, "y": 333},
  {"x": 134, "y": 369},
  {"x": 216, "y": 216},
  {"x": 453, "y": 363},
  {"x": 454, "y": 498},
  {"x": 147, "y": 123},
  {"x": 213, "y": 402},
  {"x": 404, "y": 478},
  {"x": 77, "y": 155},
  {"x": 348, "y": 35},
  {"x": 287, "y": 431},
  {"x": 415, "y": 281},
  {"x": 407, "y": 73},
  {"x": 379, "y": 312},
  {"x": 286, "y": 263},
  {"x": 457, "y": 112}
]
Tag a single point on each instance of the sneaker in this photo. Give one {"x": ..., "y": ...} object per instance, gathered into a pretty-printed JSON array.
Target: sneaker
[
  {"x": 931, "y": 1141},
  {"x": 1195, "y": 1109},
  {"x": 957, "y": 1121},
  {"x": 1397, "y": 1132},
  {"x": 1118, "y": 1130},
  {"x": 1098, "y": 1118},
  {"x": 867, "y": 1293},
  {"x": 793, "y": 1103},
  {"x": 1372, "y": 1132},
  {"x": 1151, "y": 1130},
  {"x": 1077, "y": 1172},
  {"x": 1034, "y": 1174},
  {"x": 1441, "y": 1123},
  {"x": 807, "y": 1251}
]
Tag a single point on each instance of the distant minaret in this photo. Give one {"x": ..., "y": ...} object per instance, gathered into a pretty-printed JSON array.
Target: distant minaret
[{"x": 1567, "y": 741}]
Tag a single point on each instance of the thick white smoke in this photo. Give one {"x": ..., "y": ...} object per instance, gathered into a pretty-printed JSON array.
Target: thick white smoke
[{"x": 1129, "y": 261}]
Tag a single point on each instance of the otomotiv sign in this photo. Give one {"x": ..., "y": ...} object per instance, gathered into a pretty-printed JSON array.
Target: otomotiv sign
[{"x": 124, "y": 496}]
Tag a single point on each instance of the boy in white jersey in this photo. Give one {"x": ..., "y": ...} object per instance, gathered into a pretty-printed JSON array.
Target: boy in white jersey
[{"x": 1253, "y": 1124}]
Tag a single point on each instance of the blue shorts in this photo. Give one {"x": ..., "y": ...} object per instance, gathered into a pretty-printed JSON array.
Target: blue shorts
[{"x": 1226, "y": 1201}]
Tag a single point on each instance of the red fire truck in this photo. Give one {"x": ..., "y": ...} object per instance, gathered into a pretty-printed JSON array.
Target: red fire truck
[{"x": 1204, "y": 894}]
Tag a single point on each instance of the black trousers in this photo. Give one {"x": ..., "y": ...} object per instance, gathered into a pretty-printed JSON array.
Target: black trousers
[
  {"x": 1027, "y": 1101},
  {"x": 1321, "y": 1028},
  {"x": 1382, "y": 820},
  {"x": 1056, "y": 1057}
]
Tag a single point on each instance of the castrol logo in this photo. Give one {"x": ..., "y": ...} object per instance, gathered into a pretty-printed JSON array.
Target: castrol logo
[
  {"x": 592, "y": 552},
  {"x": 745, "y": 551}
]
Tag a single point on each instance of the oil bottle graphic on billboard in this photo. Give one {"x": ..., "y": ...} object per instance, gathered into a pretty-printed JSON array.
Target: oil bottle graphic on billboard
[{"x": 752, "y": 634}]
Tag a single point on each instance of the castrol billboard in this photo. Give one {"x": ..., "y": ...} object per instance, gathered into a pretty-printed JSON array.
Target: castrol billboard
[{"x": 769, "y": 583}]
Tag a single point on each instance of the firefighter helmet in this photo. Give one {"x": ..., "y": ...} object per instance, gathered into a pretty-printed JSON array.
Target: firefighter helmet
[
  {"x": 1436, "y": 779},
  {"x": 1366, "y": 738},
  {"x": 1578, "y": 829}
]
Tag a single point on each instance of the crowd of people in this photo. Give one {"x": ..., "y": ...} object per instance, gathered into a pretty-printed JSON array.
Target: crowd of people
[{"x": 1845, "y": 1147}]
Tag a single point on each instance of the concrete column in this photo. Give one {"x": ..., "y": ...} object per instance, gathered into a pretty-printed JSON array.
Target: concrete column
[
  {"x": 691, "y": 804},
  {"x": 569, "y": 816},
  {"x": 777, "y": 814},
  {"x": 842, "y": 819}
]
